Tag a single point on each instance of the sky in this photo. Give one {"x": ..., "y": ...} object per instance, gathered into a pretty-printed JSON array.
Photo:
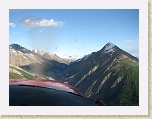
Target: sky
[{"x": 74, "y": 32}]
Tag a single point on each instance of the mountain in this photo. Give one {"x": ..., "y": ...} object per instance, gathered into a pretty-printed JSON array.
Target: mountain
[
  {"x": 71, "y": 58},
  {"x": 39, "y": 62},
  {"x": 16, "y": 72},
  {"x": 110, "y": 74}
]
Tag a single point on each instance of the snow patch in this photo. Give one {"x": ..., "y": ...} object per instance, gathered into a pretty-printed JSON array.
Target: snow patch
[
  {"x": 13, "y": 51},
  {"x": 38, "y": 51},
  {"x": 85, "y": 57},
  {"x": 114, "y": 60},
  {"x": 109, "y": 48},
  {"x": 74, "y": 57},
  {"x": 71, "y": 76},
  {"x": 35, "y": 50}
]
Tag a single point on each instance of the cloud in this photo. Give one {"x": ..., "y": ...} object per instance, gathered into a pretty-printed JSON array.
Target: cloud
[
  {"x": 41, "y": 30},
  {"x": 12, "y": 25},
  {"x": 132, "y": 41},
  {"x": 28, "y": 21},
  {"x": 51, "y": 22}
]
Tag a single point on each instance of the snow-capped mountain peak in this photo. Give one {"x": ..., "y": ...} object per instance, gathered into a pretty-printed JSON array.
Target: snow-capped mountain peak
[
  {"x": 16, "y": 47},
  {"x": 109, "y": 48},
  {"x": 38, "y": 51},
  {"x": 35, "y": 50},
  {"x": 74, "y": 57}
]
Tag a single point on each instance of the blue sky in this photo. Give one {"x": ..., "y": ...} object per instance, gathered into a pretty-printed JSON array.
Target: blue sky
[{"x": 74, "y": 31}]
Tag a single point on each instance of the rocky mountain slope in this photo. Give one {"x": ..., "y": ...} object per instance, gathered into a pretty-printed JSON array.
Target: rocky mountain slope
[
  {"x": 39, "y": 62},
  {"x": 110, "y": 74},
  {"x": 16, "y": 72}
]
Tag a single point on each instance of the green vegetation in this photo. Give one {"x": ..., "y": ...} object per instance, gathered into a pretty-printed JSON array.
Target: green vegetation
[
  {"x": 121, "y": 70},
  {"x": 130, "y": 91},
  {"x": 14, "y": 76},
  {"x": 129, "y": 95},
  {"x": 24, "y": 74}
]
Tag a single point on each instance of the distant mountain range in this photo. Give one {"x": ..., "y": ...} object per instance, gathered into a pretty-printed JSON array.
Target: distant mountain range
[{"x": 110, "y": 74}]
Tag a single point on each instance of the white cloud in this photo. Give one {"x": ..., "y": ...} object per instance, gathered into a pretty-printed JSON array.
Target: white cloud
[
  {"x": 41, "y": 30},
  {"x": 12, "y": 25},
  {"x": 28, "y": 21},
  {"x": 51, "y": 22},
  {"x": 132, "y": 41}
]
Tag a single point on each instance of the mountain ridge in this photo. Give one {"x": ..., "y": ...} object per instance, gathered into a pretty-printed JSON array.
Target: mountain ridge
[
  {"x": 104, "y": 74},
  {"x": 101, "y": 71}
]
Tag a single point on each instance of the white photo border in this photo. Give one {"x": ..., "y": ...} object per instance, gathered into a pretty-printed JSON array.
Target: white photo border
[{"x": 142, "y": 109}]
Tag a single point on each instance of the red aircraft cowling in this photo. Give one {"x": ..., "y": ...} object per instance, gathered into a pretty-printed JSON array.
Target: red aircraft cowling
[
  {"x": 52, "y": 84},
  {"x": 47, "y": 84}
]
